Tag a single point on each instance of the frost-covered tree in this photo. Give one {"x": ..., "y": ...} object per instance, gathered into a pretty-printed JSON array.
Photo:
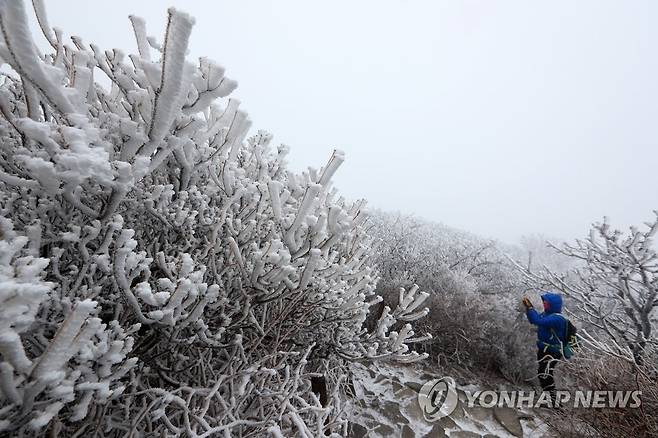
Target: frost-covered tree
[
  {"x": 615, "y": 283},
  {"x": 160, "y": 272}
]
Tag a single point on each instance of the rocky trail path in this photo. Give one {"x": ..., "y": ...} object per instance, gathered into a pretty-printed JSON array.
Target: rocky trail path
[{"x": 387, "y": 406}]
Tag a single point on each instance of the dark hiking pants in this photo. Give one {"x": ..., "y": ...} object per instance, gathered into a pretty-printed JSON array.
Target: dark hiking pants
[{"x": 546, "y": 367}]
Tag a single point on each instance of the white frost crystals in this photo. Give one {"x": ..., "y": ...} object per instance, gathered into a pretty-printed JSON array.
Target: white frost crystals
[
  {"x": 26, "y": 379},
  {"x": 160, "y": 273}
]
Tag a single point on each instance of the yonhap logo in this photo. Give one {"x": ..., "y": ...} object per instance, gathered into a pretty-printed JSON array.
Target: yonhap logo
[{"x": 438, "y": 398}]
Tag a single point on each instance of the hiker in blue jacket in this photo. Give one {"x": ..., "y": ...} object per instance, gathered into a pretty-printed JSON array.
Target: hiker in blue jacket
[{"x": 551, "y": 328}]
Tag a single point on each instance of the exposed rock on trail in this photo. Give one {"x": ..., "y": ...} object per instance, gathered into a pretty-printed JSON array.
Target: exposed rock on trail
[{"x": 387, "y": 405}]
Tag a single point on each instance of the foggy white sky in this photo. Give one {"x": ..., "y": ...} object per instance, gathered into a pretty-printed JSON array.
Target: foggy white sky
[{"x": 498, "y": 117}]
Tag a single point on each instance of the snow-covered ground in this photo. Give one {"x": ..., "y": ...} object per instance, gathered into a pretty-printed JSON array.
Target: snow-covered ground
[{"x": 386, "y": 405}]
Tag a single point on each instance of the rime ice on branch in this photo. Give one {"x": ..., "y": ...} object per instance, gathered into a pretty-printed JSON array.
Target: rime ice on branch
[{"x": 160, "y": 272}]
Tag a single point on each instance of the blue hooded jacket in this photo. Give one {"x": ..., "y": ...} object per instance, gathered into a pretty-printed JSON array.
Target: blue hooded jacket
[{"x": 549, "y": 324}]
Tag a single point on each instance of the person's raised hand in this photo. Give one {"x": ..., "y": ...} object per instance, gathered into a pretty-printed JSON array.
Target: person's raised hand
[{"x": 526, "y": 302}]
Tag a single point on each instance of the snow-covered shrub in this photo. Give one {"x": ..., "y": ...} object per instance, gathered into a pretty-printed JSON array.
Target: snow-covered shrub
[
  {"x": 474, "y": 294},
  {"x": 71, "y": 358},
  {"x": 412, "y": 249},
  {"x": 160, "y": 273}
]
